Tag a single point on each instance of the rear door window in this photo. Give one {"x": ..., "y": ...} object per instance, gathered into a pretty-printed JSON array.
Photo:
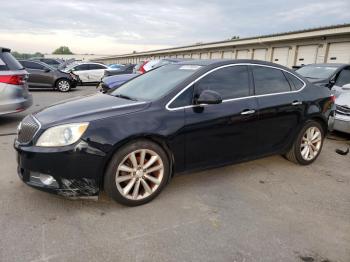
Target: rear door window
[
  {"x": 8, "y": 62},
  {"x": 269, "y": 80},
  {"x": 294, "y": 82}
]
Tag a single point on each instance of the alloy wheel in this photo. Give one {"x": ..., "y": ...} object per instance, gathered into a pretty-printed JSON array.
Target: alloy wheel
[
  {"x": 139, "y": 174},
  {"x": 311, "y": 143},
  {"x": 63, "y": 85}
]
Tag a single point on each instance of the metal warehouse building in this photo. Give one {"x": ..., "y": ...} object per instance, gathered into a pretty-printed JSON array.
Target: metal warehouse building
[{"x": 319, "y": 45}]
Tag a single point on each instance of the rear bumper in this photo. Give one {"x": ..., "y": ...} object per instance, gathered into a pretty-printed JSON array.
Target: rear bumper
[{"x": 15, "y": 100}]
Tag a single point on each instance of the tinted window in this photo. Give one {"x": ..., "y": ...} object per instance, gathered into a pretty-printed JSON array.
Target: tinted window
[
  {"x": 93, "y": 67},
  {"x": 32, "y": 65},
  {"x": 269, "y": 80},
  {"x": 82, "y": 67},
  {"x": 344, "y": 77},
  {"x": 185, "y": 99},
  {"x": 294, "y": 82},
  {"x": 229, "y": 82},
  {"x": 8, "y": 62}
]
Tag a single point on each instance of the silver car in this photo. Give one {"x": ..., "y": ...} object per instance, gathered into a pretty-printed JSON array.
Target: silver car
[
  {"x": 342, "y": 113},
  {"x": 14, "y": 94}
]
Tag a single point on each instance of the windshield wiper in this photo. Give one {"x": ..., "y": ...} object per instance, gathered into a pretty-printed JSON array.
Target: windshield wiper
[{"x": 125, "y": 97}]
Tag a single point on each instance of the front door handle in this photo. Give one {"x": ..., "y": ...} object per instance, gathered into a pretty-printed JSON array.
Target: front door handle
[
  {"x": 296, "y": 103},
  {"x": 248, "y": 112}
]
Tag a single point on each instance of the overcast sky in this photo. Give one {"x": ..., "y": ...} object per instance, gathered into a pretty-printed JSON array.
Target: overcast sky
[{"x": 116, "y": 27}]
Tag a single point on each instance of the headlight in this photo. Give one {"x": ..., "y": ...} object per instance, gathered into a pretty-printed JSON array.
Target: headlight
[{"x": 63, "y": 135}]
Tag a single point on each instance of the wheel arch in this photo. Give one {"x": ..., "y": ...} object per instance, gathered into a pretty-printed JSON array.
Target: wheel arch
[
  {"x": 157, "y": 139},
  {"x": 321, "y": 121},
  {"x": 61, "y": 78}
]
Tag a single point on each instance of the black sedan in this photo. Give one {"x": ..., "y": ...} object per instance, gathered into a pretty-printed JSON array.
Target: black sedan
[{"x": 177, "y": 118}]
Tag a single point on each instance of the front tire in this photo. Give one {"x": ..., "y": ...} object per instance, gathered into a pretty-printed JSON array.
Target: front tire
[
  {"x": 137, "y": 173},
  {"x": 308, "y": 144},
  {"x": 63, "y": 85}
]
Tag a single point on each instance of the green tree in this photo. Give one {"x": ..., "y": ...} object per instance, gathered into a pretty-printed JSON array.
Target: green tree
[
  {"x": 18, "y": 55},
  {"x": 62, "y": 50}
]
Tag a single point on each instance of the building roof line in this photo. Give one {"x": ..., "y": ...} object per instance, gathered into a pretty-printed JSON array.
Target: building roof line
[{"x": 233, "y": 42}]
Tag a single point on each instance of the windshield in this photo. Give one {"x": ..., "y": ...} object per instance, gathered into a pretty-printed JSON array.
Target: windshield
[
  {"x": 317, "y": 72},
  {"x": 155, "y": 83}
]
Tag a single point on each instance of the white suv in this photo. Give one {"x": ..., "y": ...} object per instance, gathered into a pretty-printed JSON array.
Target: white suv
[
  {"x": 88, "y": 72},
  {"x": 14, "y": 94}
]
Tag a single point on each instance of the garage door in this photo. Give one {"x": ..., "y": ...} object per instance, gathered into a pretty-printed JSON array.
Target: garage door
[
  {"x": 228, "y": 55},
  {"x": 280, "y": 55},
  {"x": 204, "y": 55},
  {"x": 216, "y": 55},
  {"x": 307, "y": 54},
  {"x": 339, "y": 53},
  {"x": 195, "y": 56},
  {"x": 242, "y": 54},
  {"x": 260, "y": 54}
]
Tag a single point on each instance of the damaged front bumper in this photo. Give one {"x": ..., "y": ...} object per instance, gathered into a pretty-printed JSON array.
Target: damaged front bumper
[{"x": 73, "y": 171}]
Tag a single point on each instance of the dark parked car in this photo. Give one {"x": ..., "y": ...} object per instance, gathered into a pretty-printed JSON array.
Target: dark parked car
[
  {"x": 126, "y": 69},
  {"x": 174, "y": 119},
  {"x": 325, "y": 74},
  {"x": 110, "y": 82},
  {"x": 42, "y": 75},
  {"x": 14, "y": 94}
]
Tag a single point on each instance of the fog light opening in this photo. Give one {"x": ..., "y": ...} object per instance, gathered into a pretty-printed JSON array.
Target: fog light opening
[{"x": 47, "y": 179}]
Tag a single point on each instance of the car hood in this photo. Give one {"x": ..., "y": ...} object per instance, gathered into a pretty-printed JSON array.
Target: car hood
[{"x": 88, "y": 108}]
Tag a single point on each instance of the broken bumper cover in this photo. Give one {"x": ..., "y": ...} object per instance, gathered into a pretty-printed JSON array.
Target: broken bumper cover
[{"x": 71, "y": 171}]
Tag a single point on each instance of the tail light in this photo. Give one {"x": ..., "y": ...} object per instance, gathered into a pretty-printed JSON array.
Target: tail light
[
  {"x": 142, "y": 69},
  {"x": 332, "y": 98},
  {"x": 13, "y": 79}
]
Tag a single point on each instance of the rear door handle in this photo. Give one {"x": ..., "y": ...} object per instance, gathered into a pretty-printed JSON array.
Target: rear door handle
[
  {"x": 296, "y": 103},
  {"x": 248, "y": 112}
]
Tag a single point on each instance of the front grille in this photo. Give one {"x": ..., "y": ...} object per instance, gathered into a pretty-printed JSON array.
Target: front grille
[
  {"x": 27, "y": 130},
  {"x": 343, "y": 110}
]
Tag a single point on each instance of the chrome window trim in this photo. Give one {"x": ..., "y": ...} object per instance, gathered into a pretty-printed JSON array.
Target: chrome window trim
[{"x": 233, "y": 99}]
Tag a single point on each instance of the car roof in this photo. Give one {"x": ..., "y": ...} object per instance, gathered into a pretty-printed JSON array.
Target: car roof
[
  {"x": 221, "y": 62},
  {"x": 328, "y": 65}
]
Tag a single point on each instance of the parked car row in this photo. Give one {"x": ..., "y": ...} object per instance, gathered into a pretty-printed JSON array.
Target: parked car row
[{"x": 125, "y": 74}]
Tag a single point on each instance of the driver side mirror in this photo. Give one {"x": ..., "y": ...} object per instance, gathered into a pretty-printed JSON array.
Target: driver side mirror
[
  {"x": 46, "y": 70},
  {"x": 208, "y": 97}
]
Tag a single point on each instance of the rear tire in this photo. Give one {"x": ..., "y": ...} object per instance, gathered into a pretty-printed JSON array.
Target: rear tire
[
  {"x": 63, "y": 85},
  {"x": 308, "y": 144},
  {"x": 137, "y": 173}
]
